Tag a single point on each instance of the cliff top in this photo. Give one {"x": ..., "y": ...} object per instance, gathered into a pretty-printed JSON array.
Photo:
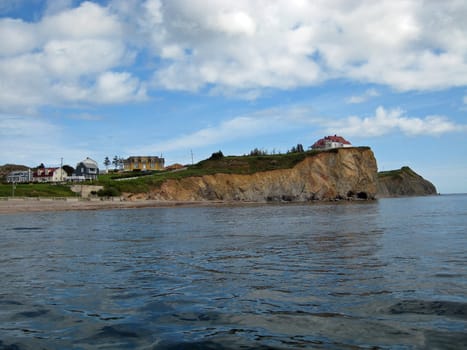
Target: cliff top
[
  {"x": 405, "y": 170},
  {"x": 254, "y": 164},
  {"x": 403, "y": 182}
]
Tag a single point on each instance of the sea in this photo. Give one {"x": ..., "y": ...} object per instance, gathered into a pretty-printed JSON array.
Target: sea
[{"x": 384, "y": 274}]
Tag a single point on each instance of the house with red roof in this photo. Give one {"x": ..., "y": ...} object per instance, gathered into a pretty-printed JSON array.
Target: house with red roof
[
  {"x": 329, "y": 142},
  {"x": 49, "y": 175}
]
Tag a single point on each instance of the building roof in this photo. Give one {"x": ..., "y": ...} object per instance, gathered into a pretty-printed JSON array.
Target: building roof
[
  {"x": 322, "y": 142},
  {"x": 89, "y": 163},
  {"x": 44, "y": 172},
  {"x": 143, "y": 157}
]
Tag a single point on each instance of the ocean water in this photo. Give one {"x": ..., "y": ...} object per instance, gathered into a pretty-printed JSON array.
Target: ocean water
[{"x": 386, "y": 274}]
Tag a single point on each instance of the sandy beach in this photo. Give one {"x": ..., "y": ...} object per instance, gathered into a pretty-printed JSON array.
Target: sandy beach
[{"x": 25, "y": 205}]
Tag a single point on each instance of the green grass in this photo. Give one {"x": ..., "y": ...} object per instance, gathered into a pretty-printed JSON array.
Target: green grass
[
  {"x": 36, "y": 190},
  {"x": 397, "y": 172}
]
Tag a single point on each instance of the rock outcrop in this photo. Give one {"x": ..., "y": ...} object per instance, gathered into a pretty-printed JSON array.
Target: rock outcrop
[
  {"x": 403, "y": 182},
  {"x": 335, "y": 174}
]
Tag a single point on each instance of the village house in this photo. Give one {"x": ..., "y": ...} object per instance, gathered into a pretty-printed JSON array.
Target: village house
[
  {"x": 329, "y": 142},
  {"x": 143, "y": 163},
  {"x": 19, "y": 176},
  {"x": 86, "y": 170},
  {"x": 49, "y": 175}
]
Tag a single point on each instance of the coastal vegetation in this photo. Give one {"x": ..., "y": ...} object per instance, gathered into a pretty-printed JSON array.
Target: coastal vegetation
[
  {"x": 35, "y": 190},
  {"x": 116, "y": 183},
  {"x": 140, "y": 182}
]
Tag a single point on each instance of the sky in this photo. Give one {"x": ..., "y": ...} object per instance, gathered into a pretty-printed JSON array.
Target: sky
[{"x": 184, "y": 79}]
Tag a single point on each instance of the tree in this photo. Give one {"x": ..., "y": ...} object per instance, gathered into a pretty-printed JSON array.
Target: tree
[
  {"x": 68, "y": 169},
  {"x": 121, "y": 163},
  {"x": 116, "y": 162},
  {"x": 217, "y": 155},
  {"x": 296, "y": 149},
  {"x": 107, "y": 162},
  {"x": 258, "y": 152}
]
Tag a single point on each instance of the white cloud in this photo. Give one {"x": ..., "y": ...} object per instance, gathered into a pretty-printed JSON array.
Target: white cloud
[
  {"x": 234, "y": 47},
  {"x": 16, "y": 37},
  {"x": 280, "y": 120},
  {"x": 67, "y": 56},
  {"x": 57, "y": 6},
  {"x": 386, "y": 121},
  {"x": 285, "y": 44},
  {"x": 89, "y": 20},
  {"x": 265, "y": 122},
  {"x": 363, "y": 97},
  {"x": 118, "y": 87}
]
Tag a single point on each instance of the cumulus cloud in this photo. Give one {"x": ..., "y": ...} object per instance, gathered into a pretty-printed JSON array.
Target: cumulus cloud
[
  {"x": 370, "y": 93},
  {"x": 67, "y": 56},
  {"x": 386, "y": 121},
  {"x": 265, "y": 122},
  {"x": 239, "y": 48},
  {"x": 286, "y": 44}
]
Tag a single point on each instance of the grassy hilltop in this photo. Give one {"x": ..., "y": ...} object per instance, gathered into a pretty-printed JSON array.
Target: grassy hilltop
[{"x": 217, "y": 163}]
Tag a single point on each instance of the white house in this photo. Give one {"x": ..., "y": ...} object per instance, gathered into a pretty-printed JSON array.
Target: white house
[
  {"x": 49, "y": 175},
  {"x": 329, "y": 142},
  {"x": 19, "y": 176}
]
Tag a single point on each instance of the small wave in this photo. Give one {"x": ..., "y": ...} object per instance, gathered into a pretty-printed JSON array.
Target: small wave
[
  {"x": 35, "y": 313},
  {"x": 422, "y": 307},
  {"x": 24, "y": 228}
]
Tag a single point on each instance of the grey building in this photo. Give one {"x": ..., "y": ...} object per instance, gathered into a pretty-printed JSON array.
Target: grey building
[
  {"x": 19, "y": 176},
  {"x": 87, "y": 169}
]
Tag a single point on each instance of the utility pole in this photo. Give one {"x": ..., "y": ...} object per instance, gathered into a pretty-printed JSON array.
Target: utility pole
[
  {"x": 191, "y": 151},
  {"x": 61, "y": 169},
  {"x": 13, "y": 188}
]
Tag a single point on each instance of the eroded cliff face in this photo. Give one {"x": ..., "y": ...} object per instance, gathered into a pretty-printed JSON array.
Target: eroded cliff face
[
  {"x": 403, "y": 183},
  {"x": 340, "y": 173}
]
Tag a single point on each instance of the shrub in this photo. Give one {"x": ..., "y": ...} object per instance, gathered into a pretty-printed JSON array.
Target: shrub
[
  {"x": 109, "y": 191},
  {"x": 217, "y": 155}
]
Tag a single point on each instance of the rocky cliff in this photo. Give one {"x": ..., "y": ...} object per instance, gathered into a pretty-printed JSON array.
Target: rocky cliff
[
  {"x": 334, "y": 174},
  {"x": 403, "y": 182}
]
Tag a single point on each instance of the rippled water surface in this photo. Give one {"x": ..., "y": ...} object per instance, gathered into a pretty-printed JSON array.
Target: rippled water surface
[{"x": 389, "y": 274}]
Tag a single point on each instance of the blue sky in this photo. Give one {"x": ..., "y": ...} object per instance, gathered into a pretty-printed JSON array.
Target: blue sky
[{"x": 174, "y": 78}]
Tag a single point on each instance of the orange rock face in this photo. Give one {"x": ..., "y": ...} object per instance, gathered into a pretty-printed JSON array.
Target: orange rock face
[{"x": 342, "y": 173}]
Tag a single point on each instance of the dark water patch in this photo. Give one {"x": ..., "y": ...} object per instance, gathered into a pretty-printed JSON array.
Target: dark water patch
[
  {"x": 118, "y": 331},
  {"x": 32, "y": 314},
  {"x": 209, "y": 345},
  {"x": 4, "y": 346},
  {"x": 24, "y": 228},
  {"x": 422, "y": 307},
  {"x": 194, "y": 317},
  {"x": 10, "y": 302},
  {"x": 445, "y": 340},
  {"x": 449, "y": 275}
]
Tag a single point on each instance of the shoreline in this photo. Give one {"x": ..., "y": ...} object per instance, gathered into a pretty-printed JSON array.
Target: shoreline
[{"x": 32, "y": 205}]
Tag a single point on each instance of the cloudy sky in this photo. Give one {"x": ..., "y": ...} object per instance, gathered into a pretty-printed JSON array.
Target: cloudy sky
[{"x": 134, "y": 77}]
